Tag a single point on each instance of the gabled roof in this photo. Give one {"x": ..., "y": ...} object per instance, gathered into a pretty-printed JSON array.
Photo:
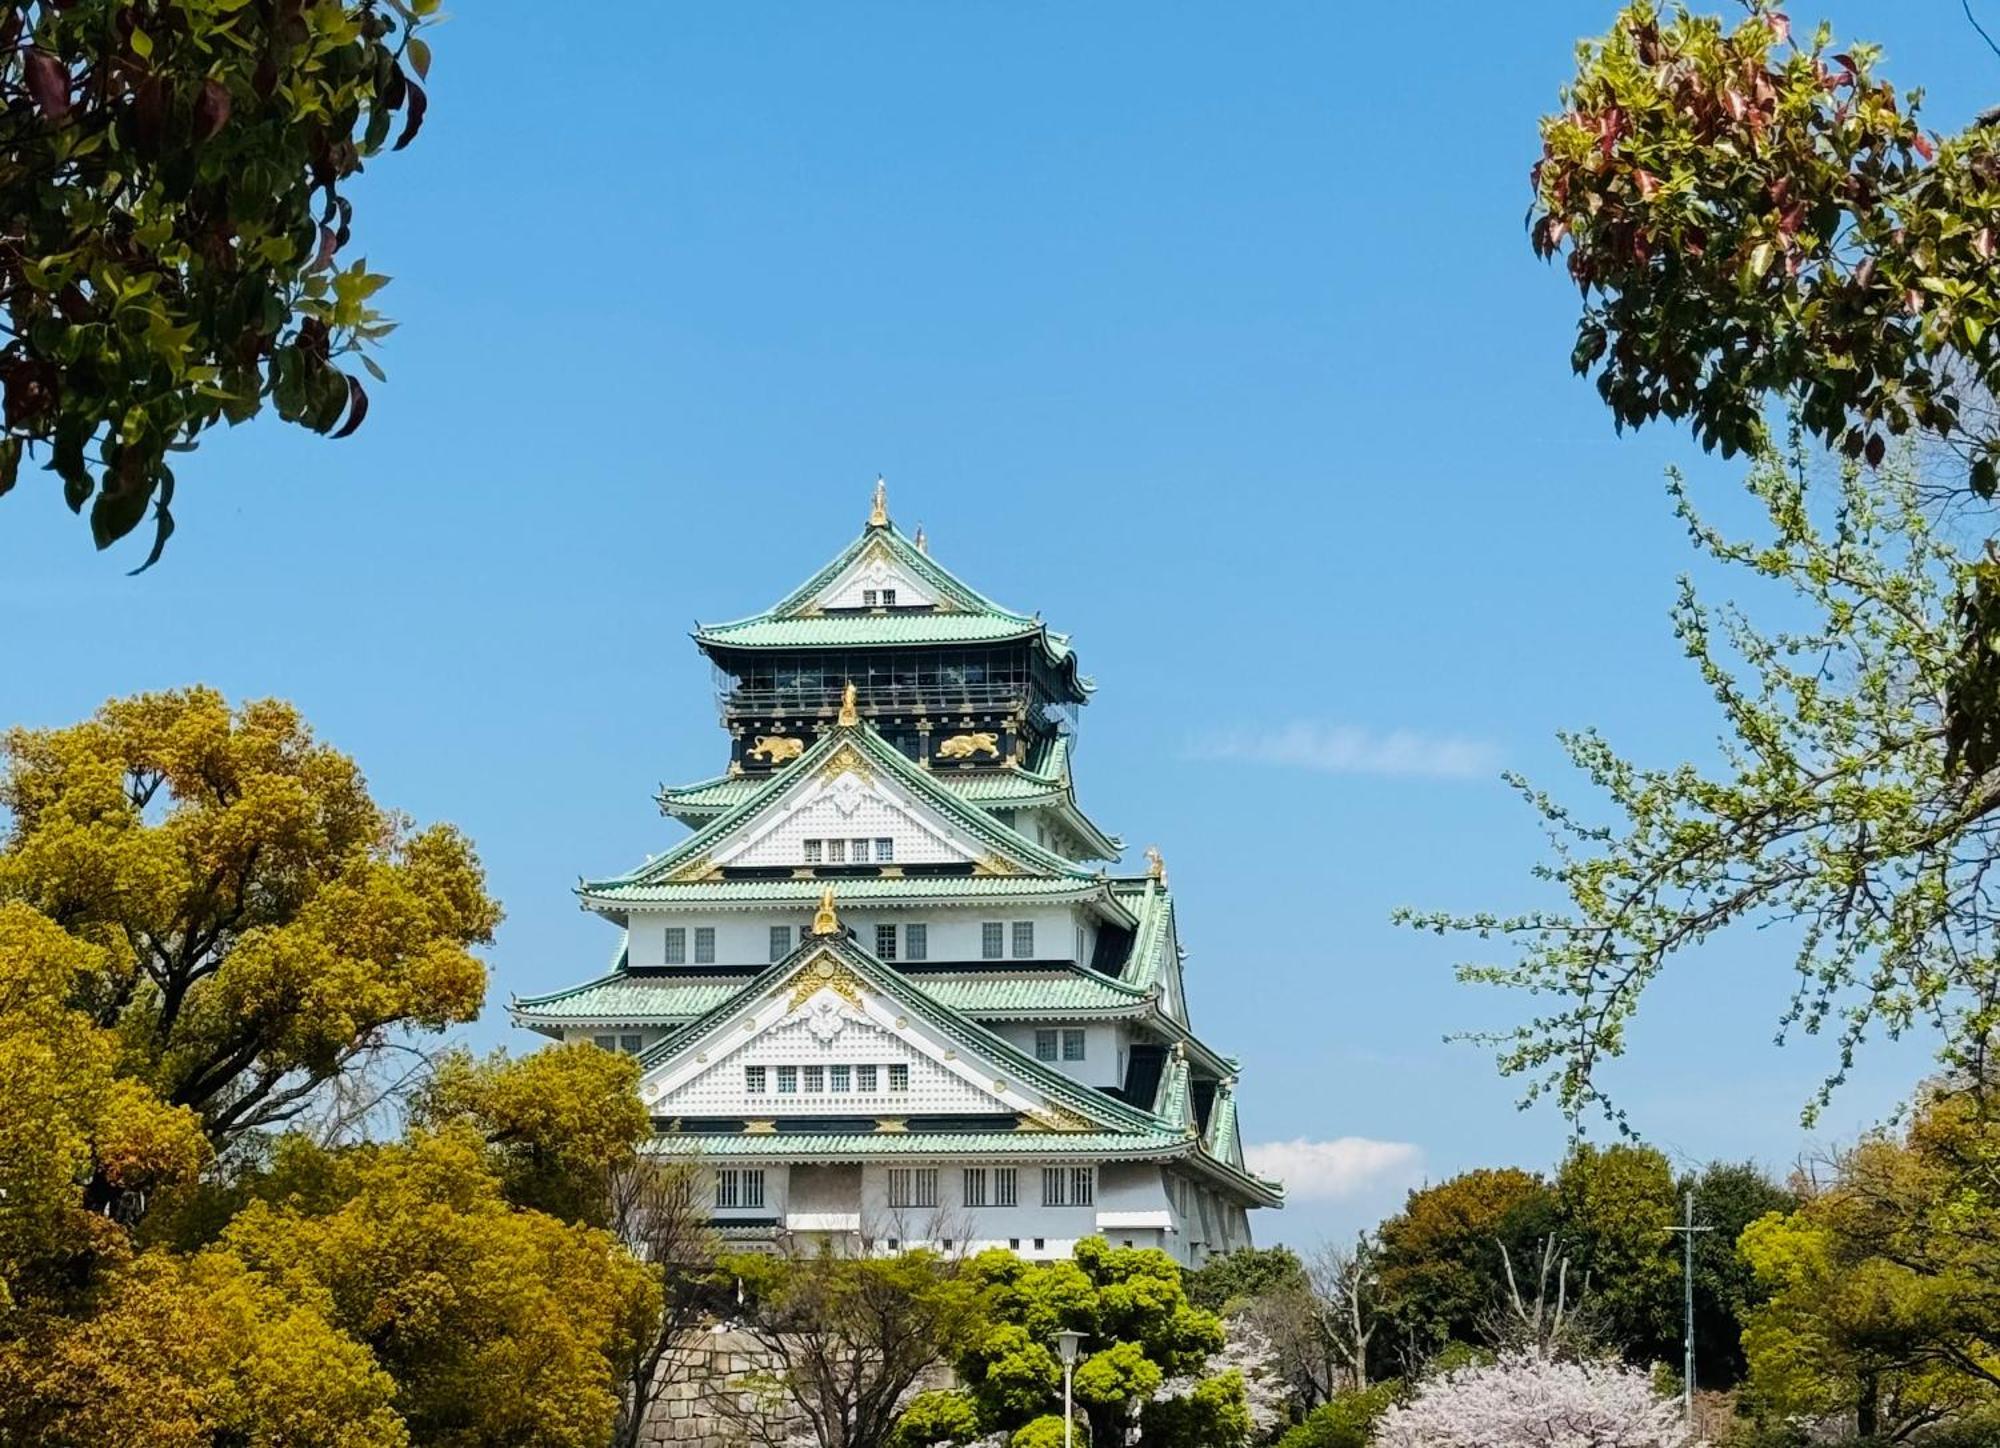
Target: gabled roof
[
  {"x": 843, "y": 747},
  {"x": 1088, "y": 1109},
  {"x": 960, "y": 614},
  {"x": 1045, "y": 784}
]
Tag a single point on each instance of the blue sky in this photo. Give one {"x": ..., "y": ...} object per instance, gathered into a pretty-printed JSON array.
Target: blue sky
[{"x": 1209, "y": 331}]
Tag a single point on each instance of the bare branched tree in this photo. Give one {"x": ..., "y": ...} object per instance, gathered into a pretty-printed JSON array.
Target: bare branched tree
[
  {"x": 656, "y": 1212},
  {"x": 1344, "y": 1284},
  {"x": 1550, "y": 1316}
]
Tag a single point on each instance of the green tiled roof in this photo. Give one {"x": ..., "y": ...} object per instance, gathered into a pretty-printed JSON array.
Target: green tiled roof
[
  {"x": 674, "y": 998},
  {"x": 876, "y": 889},
  {"x": 1221, "y": 1142},
  {"x": 818, "y": 1146},
  {"x": 881, "y": 755},
  {"x": 963, "y": 614}
]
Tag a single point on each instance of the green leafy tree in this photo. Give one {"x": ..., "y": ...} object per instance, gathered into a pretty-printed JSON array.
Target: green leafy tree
[
  {"x": 1346, "y": 1420},
  {"x": 1615, "y": 1206},
  {"x": 1140, "y": 1330},
  {"x": 1246, "y": 1273},
  {"x": 176, "y": 198},
  {"x": 1728, "y": 1197},
  {"x": 1439, "y": 1260},
  {"x": 1832, "y": 810},
  {"x": 1882, "y": 1313}
]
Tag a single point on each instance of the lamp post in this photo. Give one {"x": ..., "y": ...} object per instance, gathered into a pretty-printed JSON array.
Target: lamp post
[{"x": 1067, "y": 1342}]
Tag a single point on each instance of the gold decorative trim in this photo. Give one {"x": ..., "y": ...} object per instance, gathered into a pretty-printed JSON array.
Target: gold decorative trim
[
  {"x": 847, "y": 760},
  {"x": 891, "y": 1125},
  {"x": 984, "y": 743},
  {"x": 825, "y": 973},
  {"x": 760, "y": 1128},
  {"x": 1156, "y": 866},
  {"x": 849, "y": 715},
  {"x": 994, "y": 865},
  {"x": 777, "y": 749},
  {"x": 825, "y": 920},
  {"x": 1053, "y": 1118},
  {"x": 878, "y": 509},
  {"x": 693, "y": 870}
]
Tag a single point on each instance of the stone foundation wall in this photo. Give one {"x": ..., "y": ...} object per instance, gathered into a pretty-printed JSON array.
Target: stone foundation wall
[{"x": 703, "y": 1404}]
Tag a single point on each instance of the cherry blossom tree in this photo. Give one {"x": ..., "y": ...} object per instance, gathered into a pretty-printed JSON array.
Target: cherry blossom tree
[{"x": 1524, "y": 1400}]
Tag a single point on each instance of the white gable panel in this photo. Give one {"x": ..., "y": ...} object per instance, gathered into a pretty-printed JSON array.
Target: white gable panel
[
  {"x": 838, "y": 1022},
  {"x": 846, "y": 806},
  {"x": 874, "y": 571}
]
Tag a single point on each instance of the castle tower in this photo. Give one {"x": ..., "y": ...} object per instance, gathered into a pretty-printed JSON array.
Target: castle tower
[{"x": 885, "y": 991}]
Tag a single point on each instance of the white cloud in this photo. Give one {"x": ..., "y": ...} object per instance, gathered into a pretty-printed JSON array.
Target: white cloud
[
  {"x": 1332, "y": 1171},
  {"x": 1351, "y": 749}
]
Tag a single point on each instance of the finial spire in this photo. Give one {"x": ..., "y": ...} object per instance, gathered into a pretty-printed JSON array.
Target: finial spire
[
  {"x": 878, "y": 513},
  {"x": 825, "y": 921},
  {"x": 1156, "y": 867},
  {"x": 923, "y": 545},
  {"x": 849, "y": 715}
]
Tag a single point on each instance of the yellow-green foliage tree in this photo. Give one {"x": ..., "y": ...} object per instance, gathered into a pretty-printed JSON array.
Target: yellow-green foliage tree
[
  {"x": 1884, "y": 1286},
  {"x": 175, "y": 200},
  {"x": 204, "y": 921}
]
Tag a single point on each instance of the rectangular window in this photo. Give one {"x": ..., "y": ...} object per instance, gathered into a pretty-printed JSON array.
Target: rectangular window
[
  {"x": 1045, "y": 1045},
  {"x": 631, "y": 1045},
  {"x": 788, "y": 1080},
  {"x": 814, "y": 849},
  {"x": 916, "y": 942},
  {"x": 899, "y": 1078},
  {"x": 1024, "y": 939},
  {"x": 860, "y": 852},
  {"x": 888, "y": 598},
  {"x": 924, "y": 1188},
  {"x": 868, "y": 596},
  {"x": 975, "y": 1186},
  {"x": 885, "y": 942},
  {"x": 992, "y": 935},
  {"x": 781, "y": 941},
  {"x": 1073, "y": 1045},
  {"x": 839, "y": 1078},
  {"x": 899, "y": 1187},
  {"x": 677, "y": 945},
  {"x": 754, "y": 1079},
  {"x": 605, "y": 1043},
  {"x": 739, "y": 1187},
  {"x": 704, "y": 945},
  {"x": 1082, "y": 1186},
  {"x": 836, "y": 852},
  {"x": 815, "y": 1080},
  {"x": 1055, "y": 1186},
  {"x": 1005, "y": 1191},
  {"x": 864, "y": 1078},
  {"x": 885, "y": 850}
]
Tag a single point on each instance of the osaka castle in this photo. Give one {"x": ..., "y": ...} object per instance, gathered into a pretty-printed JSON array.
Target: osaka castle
[{"x": 887, "y": 992}]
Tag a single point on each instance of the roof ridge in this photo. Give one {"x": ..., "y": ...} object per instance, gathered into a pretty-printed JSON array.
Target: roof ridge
[
  {"x": 906, "y": 553},
  {"x": 866, "y": 737}
]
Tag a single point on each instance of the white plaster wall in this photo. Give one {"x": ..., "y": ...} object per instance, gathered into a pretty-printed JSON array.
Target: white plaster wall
[
  {"x": 1103, "y": 1062},
  {"x": 744, "y": 937},
  {"x": 776, "y": 1182},
  {"x": 1058, "y": 1229},
  {"x": 871, "y": 570},
  {"x": 851, "y": 814},
  {"x": 718, "y": 1090}
]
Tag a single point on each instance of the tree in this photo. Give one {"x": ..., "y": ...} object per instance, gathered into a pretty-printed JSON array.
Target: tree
[
  {"x": 1140, "y": 1328},
  {"x": 851, "y": 1336},
  {"x": 1239, "y": 1394},
  {"x": 1749, "y": 218},
  {"x": 263, "y": 924},
  {"x": 1523, "y": 1401},
  {"x": 655, "y": 1211},
  {"x": 1883, "y": 1312},
  {"x": 1616, "y": 1207},
  {"x": 1833, "y": 810},
  {"x": 1728, "y": 1197},
  {"x": 1347, "y": 1420},
  {"x": 1440, "y": 1259},
  {"x": 1246, "y": 1273},
  {"x": 175, "y": 202}
]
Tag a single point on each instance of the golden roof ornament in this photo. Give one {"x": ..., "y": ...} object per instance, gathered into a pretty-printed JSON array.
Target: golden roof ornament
[
  {"x": 849, "y": 715},
  {"x": 825, "y": 921},
  {"x": 878, "y": 513},
  {"x": 1156, "y": 867}
]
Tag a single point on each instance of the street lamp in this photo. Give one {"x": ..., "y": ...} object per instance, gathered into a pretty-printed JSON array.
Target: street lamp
[{"x": 1067, "y": 1342}]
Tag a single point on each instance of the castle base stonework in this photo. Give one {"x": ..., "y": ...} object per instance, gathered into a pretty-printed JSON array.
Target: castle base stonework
[{"x": 703, "y": 1402}]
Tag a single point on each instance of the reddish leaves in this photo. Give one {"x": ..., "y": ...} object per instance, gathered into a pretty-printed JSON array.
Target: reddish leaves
[{"x": 48, "y": 83}]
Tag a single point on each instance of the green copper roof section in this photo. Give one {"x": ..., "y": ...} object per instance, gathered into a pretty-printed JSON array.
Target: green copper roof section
[
  {"x": 962, "y": 614},
  {"x": 849, "y": 1146},
  {"x": 879, "y": 754},
  {"x": 1220, "y": 1141},
  {"x": 1095, "y": 1106},
  {"x": 675, "y": 998},
  {"x": 883, "y": 890},
  {"x": 1047, "y": 785}
]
